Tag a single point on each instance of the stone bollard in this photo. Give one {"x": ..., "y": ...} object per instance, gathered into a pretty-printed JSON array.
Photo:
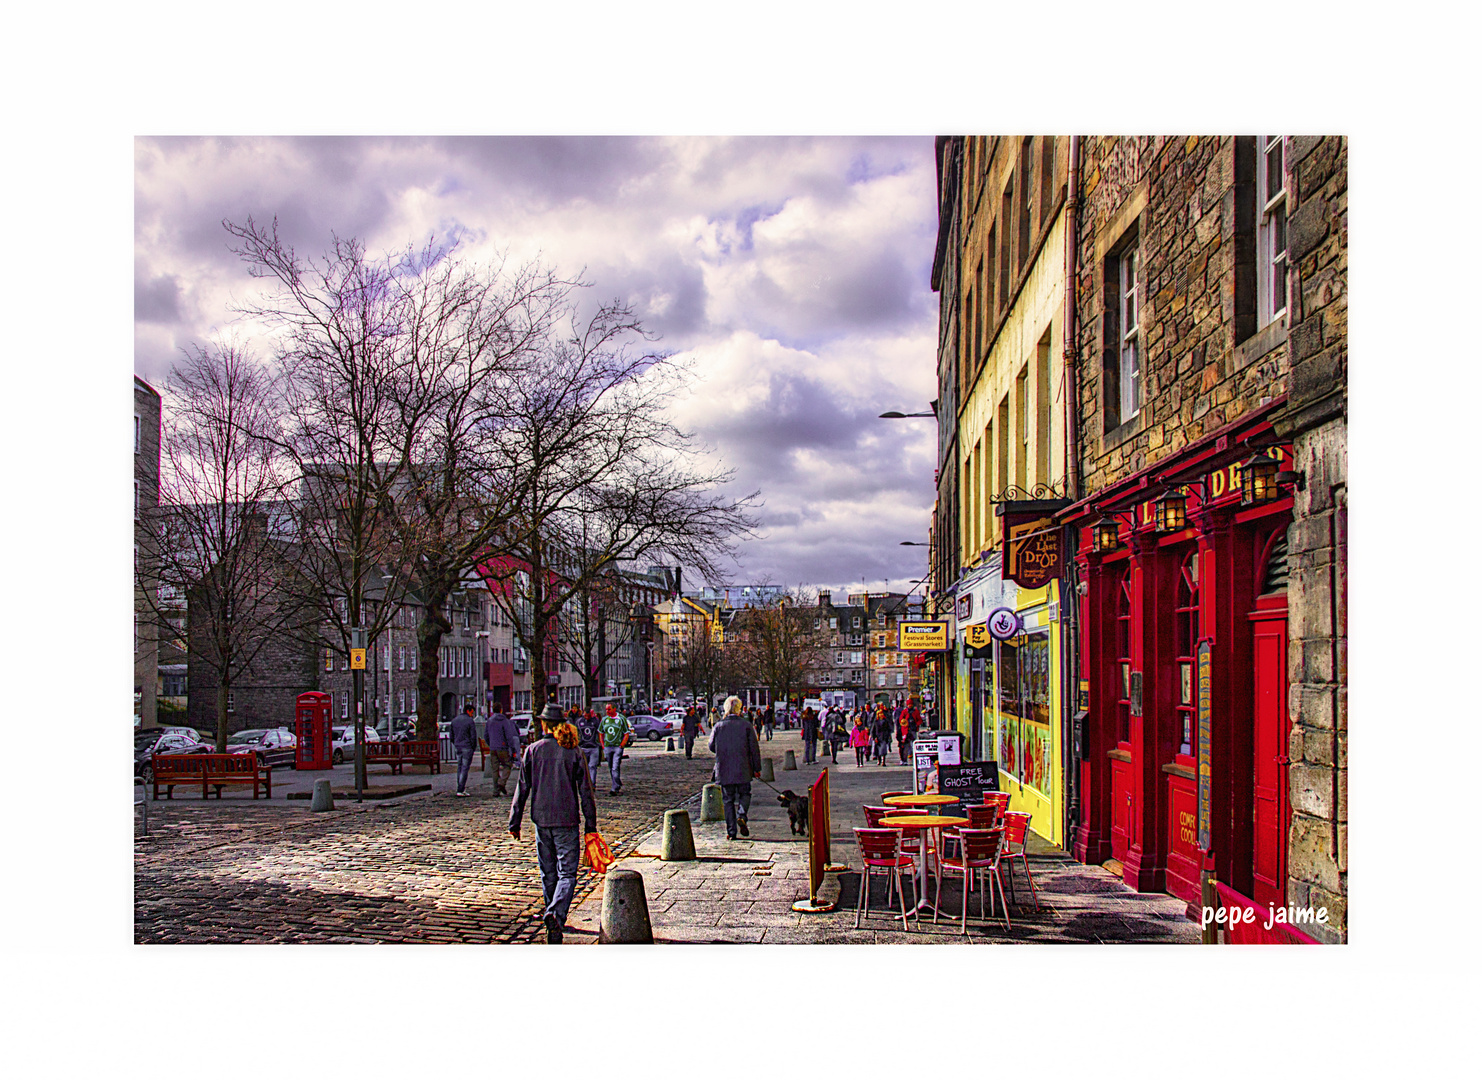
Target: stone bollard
[
  {"x": 679, "y": 839},
  {"x": 789, "y": 761},
  {"x": 323, "y": 797},
  {"x": 712, "y": 808},
  {"x": 768, "y": 773},
  {"x": 489, "y": 765},
  {"x": 624, "y": 910},
  {"x": 671, "y": 742}
]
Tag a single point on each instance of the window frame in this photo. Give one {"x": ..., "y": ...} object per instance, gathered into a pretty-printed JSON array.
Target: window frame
[
  {"x": 1272, "y": 265},
  {"x": 1127, "y": 330}
]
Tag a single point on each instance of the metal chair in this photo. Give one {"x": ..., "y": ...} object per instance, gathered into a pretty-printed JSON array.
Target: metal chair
[
  {"x": 981, "y": 851},
  {"x": 999, "y": 800},
  {"x": 873, "y": 814},
  {"x": 879, "y": 850},
  {"x": 892, "y": 794},
  {"x": 1016, "y": 832},
  {"x": 978, "y": 817}
]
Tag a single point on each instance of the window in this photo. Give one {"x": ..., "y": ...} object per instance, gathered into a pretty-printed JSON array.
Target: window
[
  {"x": 900, "y": 679},
  {"x": 328, "y": 659},
  {"x": 386, "y": 658},
  {"x": 345, "y": 662},
  {"x": 401, "y": 702},
  {"x": 1186, "y": 641},
  {"x": 137, "y": 428},
  {"x": 977, "y": 314},
  {"x": 1124, "y": 655},
  {"x": 1001, "y": 458},
  {"x": 1026, "y": 192},
  {"x": 344, "y": 705},
  {"x": 1021, "y": 408},
  {"x": 231, "y": 701},
  {"x": 136, "y": 500},
  {"x": 1042, "y": 410},
  {"x": 1006, "y": 217},
  {"x": 401, "y": 658},
  {"x": 1128, "y": 345},
  {"x": 1046, "y": 176},
  {"x": 1271, "y": 262},
  {"x": 833, "y": 624}
]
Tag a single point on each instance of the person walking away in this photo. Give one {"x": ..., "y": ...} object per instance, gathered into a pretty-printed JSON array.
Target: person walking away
[
  {"x": 810, "y": 735},
  {"x": 555, "y": 782},
  {"x": 690, "y": 729},
  {"x": 909, "y": 724},
  {"x": 769, "y": 720},
  {"x": 835, "y": 733},
  {"x": 465, "y": 741},
  {"x": 738, "y": 759},
  {"x": 879, "y": 732},
  {"x": 614, "y": 733},
  {"x": 503, "y": 737},
  {"x": 859, "y": 738},
  {"x": 588, "y": 740}
]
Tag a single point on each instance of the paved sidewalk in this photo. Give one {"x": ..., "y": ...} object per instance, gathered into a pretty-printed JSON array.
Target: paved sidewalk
[{"x": 742, "y": 891}]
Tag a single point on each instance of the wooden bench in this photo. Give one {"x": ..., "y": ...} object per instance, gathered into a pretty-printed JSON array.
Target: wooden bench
[
  {"x": 210, "y": 770},
  {"x": 398, "y": 754}
]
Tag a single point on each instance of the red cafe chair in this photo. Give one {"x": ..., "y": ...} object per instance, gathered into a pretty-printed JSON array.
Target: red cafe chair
[
  {"x": 873, "y": 814},
  {"x": 978, "y": 817},
  {"x": 892, "y": 794},
  {"x": 879, "y": 851},
  {"x": 913, "y": 841},
  {"x": 1016, "y": 846},
  {"x": 981, "y": 851}
]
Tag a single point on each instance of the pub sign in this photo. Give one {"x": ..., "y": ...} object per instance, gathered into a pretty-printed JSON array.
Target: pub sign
[{"x": 1031, "y": 549}]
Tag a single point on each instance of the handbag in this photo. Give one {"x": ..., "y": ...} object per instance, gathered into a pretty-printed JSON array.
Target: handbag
[{"x": 597, "y": 854}]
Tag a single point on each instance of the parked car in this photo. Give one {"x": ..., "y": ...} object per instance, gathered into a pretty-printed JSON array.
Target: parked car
[
  {"x": 651, "y": 728},
  {"x": 273, "y": 746},
  {"x": 400, "y": 730},
  {"x": 523, "y": 723},
  {"x": 344, "y": 741},
  {"x": 149, "y": 743}
]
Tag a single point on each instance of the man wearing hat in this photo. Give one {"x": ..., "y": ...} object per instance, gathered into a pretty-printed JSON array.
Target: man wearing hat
[{"x": 554, "y": 778}]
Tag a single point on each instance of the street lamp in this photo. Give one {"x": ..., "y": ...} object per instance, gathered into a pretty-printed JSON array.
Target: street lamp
[{"x": 893, "y": 415}]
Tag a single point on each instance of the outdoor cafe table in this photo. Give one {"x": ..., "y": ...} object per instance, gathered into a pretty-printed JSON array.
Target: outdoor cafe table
[
  {"x": 921, "y": 822},
  {"x": 931, "y": 798}
]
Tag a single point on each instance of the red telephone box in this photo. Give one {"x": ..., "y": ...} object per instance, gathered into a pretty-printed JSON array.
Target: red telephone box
[{"x": 315, "y": 736}]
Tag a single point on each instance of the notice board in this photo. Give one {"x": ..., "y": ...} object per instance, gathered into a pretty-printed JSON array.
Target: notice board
[{"x": 968, "y": 781}]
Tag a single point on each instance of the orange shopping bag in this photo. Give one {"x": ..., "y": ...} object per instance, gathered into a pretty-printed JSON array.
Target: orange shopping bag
[{"x": 597, "y": 854}]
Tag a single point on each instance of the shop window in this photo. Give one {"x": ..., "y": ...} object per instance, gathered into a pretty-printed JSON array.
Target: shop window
[
  {"x": 1124, "y": 656},
  {"x": 1023, "y": 737},
  {"x": 1186, "y": 643}
]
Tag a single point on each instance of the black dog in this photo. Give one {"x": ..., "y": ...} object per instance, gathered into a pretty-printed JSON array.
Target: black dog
[{"x": 797, "y": 811}]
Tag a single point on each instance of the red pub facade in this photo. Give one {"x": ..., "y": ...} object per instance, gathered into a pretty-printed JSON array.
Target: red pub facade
[{"x": 1208, "y": 521}]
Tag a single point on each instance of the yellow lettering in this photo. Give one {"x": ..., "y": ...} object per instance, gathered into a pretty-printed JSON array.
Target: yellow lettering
[{"x": 1217, "y": 484}]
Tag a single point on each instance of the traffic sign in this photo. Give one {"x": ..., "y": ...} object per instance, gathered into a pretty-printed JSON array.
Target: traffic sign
[{"x": 357, "y": 659}]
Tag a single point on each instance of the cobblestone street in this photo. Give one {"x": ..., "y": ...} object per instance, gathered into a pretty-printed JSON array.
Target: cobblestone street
[{"x": 426, "y": 869}]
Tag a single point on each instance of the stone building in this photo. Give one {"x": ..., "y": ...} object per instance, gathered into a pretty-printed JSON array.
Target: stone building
[
  {"x": 1315, "y": 420},
  {"x": 146, "y": 498},
  {"x": 1004, "y": 452},
  {"x": 1209, "y": 649}
]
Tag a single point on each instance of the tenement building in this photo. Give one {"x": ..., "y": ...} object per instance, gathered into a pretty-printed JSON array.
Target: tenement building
[
  {"x": 1004, "y": 449},
  {"x": 1208, "y": 519}
]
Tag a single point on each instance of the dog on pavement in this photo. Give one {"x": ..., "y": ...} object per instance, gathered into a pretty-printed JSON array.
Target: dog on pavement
[{"x": 797, "y": 811}]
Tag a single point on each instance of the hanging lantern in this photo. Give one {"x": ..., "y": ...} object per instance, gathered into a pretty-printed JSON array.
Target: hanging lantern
[
  {"x": 1104, "y": 536},
  {"x": 1258, "y": 480},
  {"x": 1170, "y": 513}
]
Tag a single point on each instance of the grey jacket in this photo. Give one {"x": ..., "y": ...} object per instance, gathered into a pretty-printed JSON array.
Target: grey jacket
[
  {"x": 555, "y": 782},
  {"x": 738, "y": 756},
  {"x": 502, "y": 734},
  {"x": 465, "y": 733}
]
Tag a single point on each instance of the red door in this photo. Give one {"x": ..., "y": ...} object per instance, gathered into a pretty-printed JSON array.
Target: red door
[
  {"x": 1272, "y": 728},
  {"x": 1121, "y": 807}
]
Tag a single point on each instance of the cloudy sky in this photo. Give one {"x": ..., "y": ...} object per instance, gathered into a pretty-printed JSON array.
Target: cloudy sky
[{"x": 793, "y": 273}]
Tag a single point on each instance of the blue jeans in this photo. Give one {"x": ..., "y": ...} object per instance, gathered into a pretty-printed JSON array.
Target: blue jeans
[
  {"x": 733, "y": 796},
  {"x": 594, "y": 758},
  {"x": 558, "y": 851},
  {"x": 615, "y": 766},
  {"x": 465, "y": 762},
  {"x": 809, "y": 750}
]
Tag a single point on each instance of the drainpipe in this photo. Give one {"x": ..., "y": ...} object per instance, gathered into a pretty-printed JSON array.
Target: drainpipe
[{"x": 1071, "y": 352}]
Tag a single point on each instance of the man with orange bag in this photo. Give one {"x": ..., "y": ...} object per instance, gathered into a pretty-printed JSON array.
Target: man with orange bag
[{"x": 554, "y": 778}]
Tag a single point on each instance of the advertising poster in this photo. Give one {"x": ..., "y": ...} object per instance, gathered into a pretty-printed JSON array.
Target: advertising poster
[{"x": 925, "y": 753}]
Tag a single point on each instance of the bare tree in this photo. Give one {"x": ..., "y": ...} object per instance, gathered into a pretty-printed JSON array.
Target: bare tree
[
  {"x": 780, "y": 644},
  {"x": 213, "y": 543},
  {"x": 597, "y": 623},
  {"x": 341, "y": 328},
  {"x": 605, "y": 477}
]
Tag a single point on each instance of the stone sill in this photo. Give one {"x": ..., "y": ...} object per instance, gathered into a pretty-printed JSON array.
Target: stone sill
[{"x": 1263, "y": 341}]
